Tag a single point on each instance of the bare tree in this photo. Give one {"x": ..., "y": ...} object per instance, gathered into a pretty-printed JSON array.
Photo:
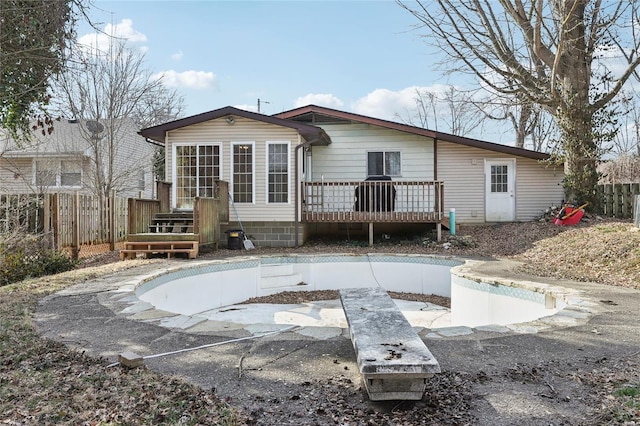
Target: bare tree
[
  {"x": 627, "y": 140},
  {"x": 106, "y": 92},
  {"x": 551, "y": 50},
  {"x": 533, "y": 125},
  {"x": 452, "y": 110}
]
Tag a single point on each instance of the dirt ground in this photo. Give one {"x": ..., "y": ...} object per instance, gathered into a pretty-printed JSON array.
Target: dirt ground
[
  {"x": 42, "y": 382},
  {"x": 579, "y": 388}
]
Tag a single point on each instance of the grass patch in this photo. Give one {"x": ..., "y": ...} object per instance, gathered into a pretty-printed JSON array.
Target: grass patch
[
  {"x": 627, "y": 408},
  {"x": 629, "y": 391}
]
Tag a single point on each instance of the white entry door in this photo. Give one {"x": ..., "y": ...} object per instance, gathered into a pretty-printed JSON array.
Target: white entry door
[{"x": 500, "y": 205}]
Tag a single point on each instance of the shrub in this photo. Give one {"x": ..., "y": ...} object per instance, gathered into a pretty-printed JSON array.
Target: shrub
[{"x": 29, "y": 257}]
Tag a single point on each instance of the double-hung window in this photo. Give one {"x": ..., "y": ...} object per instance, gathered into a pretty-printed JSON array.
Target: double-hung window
[
  {"x": 58, "y": 173},
  {"x": 242, "y": 172},
  {"x": 383, "y": 163},
  {"x": 277, "y": 172}
]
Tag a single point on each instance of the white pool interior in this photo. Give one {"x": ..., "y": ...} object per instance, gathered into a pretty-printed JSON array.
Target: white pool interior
[{"x": 214, "y": 290}]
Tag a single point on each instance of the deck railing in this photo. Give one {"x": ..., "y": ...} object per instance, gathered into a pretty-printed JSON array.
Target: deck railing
[{"x": 373, "y": 201}]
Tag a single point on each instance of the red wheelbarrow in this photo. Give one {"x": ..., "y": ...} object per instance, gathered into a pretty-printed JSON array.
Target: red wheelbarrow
[{"x": 569, "y": 214}]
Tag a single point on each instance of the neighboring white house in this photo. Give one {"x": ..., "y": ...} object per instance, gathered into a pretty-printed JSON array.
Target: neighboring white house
[
  {"x": 67, "y": 159},
  {"x": 302, "y": 172}
]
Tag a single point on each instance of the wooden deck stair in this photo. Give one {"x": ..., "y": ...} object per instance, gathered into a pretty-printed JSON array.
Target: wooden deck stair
[
  {"x": 176, "y": 222},
  {"x": 169, "y": 233}
]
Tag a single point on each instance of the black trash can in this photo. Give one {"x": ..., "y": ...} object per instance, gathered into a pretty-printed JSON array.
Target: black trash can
[{"x": 235, "y": 239}]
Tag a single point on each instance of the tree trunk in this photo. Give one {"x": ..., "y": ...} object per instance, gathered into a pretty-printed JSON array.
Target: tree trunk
[
  {"x": 581, "y": 156},
  {"x": 575, "y": 115}
]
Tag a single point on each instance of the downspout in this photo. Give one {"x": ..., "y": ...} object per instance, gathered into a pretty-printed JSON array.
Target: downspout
[{"x": 297, "y": 191}]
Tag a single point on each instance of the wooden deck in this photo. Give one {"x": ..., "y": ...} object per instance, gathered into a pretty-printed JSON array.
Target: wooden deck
[
  {"x": 374, "y": 202},
  {"x": 153, "y": 229}
]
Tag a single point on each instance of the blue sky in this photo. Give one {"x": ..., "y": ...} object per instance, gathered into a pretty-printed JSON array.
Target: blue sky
[{"x": 358, "y": 56}]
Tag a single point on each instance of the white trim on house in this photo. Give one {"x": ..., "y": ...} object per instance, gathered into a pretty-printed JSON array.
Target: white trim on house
[
  {"x": 500, "y": 206},
  {"x": 289, "y": 169},
  {"x": 57, "y": 161},
  {"x": 253, "y": 170}
]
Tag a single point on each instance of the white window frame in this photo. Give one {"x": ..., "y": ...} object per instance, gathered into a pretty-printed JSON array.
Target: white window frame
[
  {"x": 384, "y": 153},
  {"x": 253, "y": 171},
  {"x": 266, "y": 178},
  {"x": 174, "y": 164},
  {"x": 57, "y": 163}
]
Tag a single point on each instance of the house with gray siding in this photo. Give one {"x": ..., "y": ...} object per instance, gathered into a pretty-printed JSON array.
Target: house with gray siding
[
  {"x": 316, "y": 171},
  {"x": 71, "y": 156}
]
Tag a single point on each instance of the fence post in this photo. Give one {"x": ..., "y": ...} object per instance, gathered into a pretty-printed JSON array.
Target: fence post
[
  {"x": 75, "y": 227},
  {"x": 55, "y": 220},
  {"x": 112, "y": 221},
  {"x": 626, "y": 200},
  {"x": 46, "y": 225},
  {"x": 616, "y": 200},
  {"x": 196, "y": 215},
  {"x": 131, "y": 207}
]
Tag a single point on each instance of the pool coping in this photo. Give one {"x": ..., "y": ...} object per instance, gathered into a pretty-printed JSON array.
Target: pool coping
[{"x": 121, "y": 299}]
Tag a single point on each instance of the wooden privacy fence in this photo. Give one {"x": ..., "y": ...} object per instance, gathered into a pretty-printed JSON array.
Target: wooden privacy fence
[
  {"x": 21, "y": 211},
  {"x": 617, "y": 200},
  {"x": 72, "y": 220}
]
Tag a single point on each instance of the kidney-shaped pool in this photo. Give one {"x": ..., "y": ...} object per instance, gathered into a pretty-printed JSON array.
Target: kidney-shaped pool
[{"x": 218, "y": 284}]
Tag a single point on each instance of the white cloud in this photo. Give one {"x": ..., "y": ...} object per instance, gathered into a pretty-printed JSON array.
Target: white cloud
[
  {"x": 252, "y": 108},
  {"x": 177, "y": 56},
  {"x": 100, "y": 40},
  {"x": 187, "y": 79},
  {"x": 321, "y": 99},
  {"x": 386, "y": 104}
]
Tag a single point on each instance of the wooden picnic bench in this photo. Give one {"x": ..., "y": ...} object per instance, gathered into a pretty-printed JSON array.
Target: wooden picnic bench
[{"x": 393, "y": 360}]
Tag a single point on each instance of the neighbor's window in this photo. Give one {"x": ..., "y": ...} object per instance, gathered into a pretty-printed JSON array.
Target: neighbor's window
[
  {"x": 45, "y": 173},
  {"x": 243, "y": 173},
  {"x": 499, "y": 179},
  {"x": 58, "y": 173},
  {"x": 70, "y": 173},
  {"x": 383, "y": 163}
]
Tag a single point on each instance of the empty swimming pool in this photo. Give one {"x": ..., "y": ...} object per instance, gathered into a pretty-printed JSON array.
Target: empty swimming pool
[{"x": 216, "y": 284}]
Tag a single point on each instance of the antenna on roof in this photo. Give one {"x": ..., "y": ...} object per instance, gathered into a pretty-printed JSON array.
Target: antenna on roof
[{"x": 264, "y": 102}]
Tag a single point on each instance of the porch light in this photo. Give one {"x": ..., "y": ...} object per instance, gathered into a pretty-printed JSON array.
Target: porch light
[{"x": 230, "y": 120}]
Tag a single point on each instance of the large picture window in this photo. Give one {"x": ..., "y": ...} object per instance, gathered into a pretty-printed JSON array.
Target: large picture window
[
  {"x": 278, "y": 172},
  {"x": 197, "y": 169},
  {"x": 383, "y": 163},
  {"x": 242, "y": 159}
]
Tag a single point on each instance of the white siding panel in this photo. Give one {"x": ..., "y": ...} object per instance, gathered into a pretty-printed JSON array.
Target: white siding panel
[
  {"x": 462, "y": 170},
  {"x": 537, "y": 188},
  {"x": 16, "y": 175},
  {"x": 243, "y": 130},
  {"x": 345, "y": 159}
]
